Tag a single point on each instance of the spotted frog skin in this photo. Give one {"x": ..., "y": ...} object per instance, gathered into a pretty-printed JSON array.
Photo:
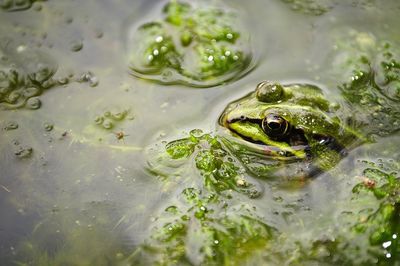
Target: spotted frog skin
[{"x": 289, "y": 131}]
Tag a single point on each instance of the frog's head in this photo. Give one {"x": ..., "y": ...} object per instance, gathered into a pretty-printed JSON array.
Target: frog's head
[{"x": 286, "y": 130}]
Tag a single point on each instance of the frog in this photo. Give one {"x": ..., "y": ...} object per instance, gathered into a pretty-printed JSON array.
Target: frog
[{"x": 287, "y": 131}]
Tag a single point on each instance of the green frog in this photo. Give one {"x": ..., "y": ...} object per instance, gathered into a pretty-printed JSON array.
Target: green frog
[{"x": 287, "y": 131}]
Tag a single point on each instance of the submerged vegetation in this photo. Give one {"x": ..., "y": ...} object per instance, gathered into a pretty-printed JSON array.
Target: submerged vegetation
[
  {"x": 206, "y": 231},
  {"x": 374, "y": 91},
  {"x": 197, "y": 46},
  {"x": 21, "y": 83}
]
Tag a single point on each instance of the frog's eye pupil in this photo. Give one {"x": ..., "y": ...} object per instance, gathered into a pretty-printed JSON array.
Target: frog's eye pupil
[{"x": 275, "y": 126}]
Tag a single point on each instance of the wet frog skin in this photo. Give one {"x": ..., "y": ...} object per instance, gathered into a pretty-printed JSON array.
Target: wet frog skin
[{"x": 287, "y": 131}]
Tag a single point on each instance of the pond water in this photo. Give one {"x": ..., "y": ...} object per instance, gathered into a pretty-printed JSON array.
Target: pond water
[{"x": 77, "y": 178}]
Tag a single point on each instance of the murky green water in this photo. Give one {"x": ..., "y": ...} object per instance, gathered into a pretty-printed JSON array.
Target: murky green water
[{"x": 75, "y": 185}]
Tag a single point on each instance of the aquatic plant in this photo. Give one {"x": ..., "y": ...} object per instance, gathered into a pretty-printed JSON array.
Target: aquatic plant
[
  {"x": 374, "y": 92},
  {"x": 218, "y": 171},
  {"x": 205, "y": 230},
  {"x": 197, "y": 46}
]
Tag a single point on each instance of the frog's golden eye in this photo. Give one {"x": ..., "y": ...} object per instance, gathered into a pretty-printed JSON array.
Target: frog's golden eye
[
  {"x": 269, "y": 92},
  {"x": 275, "y": 126}
]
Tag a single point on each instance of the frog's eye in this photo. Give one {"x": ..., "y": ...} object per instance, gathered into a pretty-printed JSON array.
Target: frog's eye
[
  {"x": 275, "y": 126},
  {"x": 269, "y": 92}
]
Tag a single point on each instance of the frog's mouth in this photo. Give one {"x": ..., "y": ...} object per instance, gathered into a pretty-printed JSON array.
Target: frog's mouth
[{"x": 276, "y": 137}]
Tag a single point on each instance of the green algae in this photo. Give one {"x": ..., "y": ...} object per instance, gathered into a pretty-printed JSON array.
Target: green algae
[
  {"x": 217, "y": 170},
  {"x": 196, "y": 46},
  {"x": 374, "y": 91},
  {"x": 205, "y": 231}
]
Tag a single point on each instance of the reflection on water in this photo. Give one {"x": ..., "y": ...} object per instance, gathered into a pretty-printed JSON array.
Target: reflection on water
[{"x": 73, "y": 191}]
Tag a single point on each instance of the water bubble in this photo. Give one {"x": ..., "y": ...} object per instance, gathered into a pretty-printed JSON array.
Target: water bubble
[
  {"x": 48, "y": 126},
  {"x": 34, "y": 103},
  {"x": 76, "y": 45},
  {"x": 99, "y": 34},
  {"x": 11, "y": 126},
  {"x": 14, "y": 96},
  {"x": 90, "y": 78},
  {"x": 107, "y": 124},
  {"x": 23, "y": 151},
  {"x": 30, "y": 92},
  {"x": 98, "y": 120}
]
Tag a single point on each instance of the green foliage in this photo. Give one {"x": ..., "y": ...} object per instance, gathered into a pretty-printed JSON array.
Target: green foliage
[
  {"x": 206, "y": 231},
  {"x": 158, "y": 48},
  {"x": 219, "y": 170},
  {"x": 374, "y": 90},
  {"x": 210, "y": 49},
  {"x": 383, "y": 225},
  {"x": 215, "y": 59}
]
